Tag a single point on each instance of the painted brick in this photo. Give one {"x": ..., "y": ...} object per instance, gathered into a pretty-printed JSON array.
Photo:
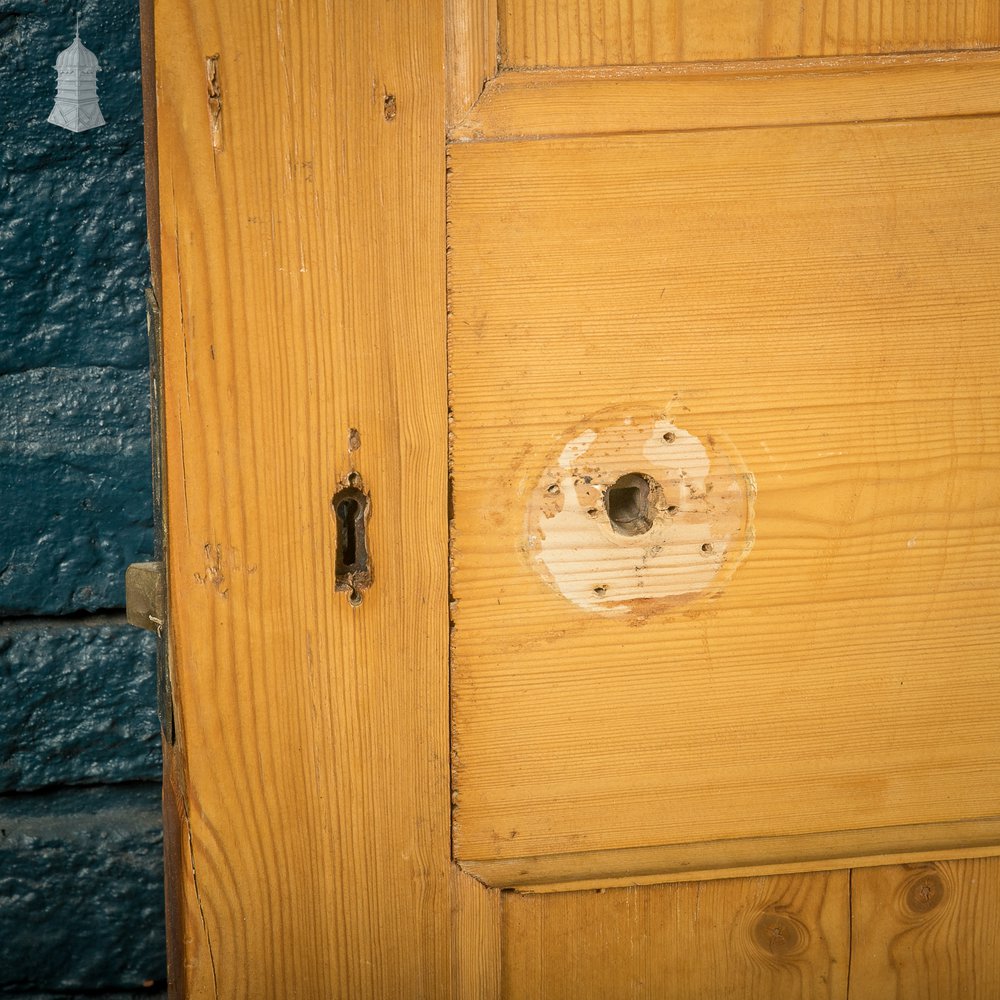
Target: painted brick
[
  {"x": 151, "y": 994},
  {"x": 80, "y": 870},
  {"x": 79, "y": 704},
  {"x": 81, "y": 890},
  {"x": 74, "y": 487},
  {"x": 72, "y": 205}
]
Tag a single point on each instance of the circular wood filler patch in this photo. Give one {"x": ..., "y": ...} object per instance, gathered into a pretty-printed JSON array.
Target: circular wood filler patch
[{"x": 640, "y": 515}]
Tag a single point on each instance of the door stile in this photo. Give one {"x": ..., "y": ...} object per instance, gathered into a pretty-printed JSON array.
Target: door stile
[{"x": 300, "y": 166}]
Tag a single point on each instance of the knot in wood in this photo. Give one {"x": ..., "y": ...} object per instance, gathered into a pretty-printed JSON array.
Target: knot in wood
[
  {"x": 924, "y": 892},
  {"x": 780, "y": 935}
]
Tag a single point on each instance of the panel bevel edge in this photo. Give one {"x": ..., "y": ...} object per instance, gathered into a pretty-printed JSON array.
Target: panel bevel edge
[
  {"x": 747, "y": 857},
  {"x": 622, "y": 100}
]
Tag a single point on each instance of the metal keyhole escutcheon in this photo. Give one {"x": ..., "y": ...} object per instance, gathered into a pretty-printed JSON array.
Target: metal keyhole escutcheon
[{"x": 351, "y": 507}]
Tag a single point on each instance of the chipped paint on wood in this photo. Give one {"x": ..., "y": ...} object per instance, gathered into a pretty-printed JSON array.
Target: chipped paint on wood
[{"x": 590, "y": 541}]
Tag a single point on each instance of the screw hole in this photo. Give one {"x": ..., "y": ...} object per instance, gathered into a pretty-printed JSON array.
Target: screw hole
[
  {"x": 707, "y": 548},
  {"x": 670, "y": 437},
  {"x": 672, "y": 509},
  {"x": 600, "y": 591},
  {"x": 553, "y": 489}
]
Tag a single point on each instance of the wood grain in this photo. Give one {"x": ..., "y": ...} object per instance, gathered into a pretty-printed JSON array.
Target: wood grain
[
  {"x": 473, "y": 50},
  {"x": 475, "y": 938},
  {"x": 549, "y": 33},
  {"x": 786, "y": 936},
  {"x": 301, "y": 190},
  {"x": 689, "y": 97},
  {"x": 824, "y": 300},
  {"x": 926, "y": 932}
]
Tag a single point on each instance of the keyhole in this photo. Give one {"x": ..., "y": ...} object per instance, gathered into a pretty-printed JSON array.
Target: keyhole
[
  {"x": 347, "y": 512},
  {"x": 353, "y": 570}
]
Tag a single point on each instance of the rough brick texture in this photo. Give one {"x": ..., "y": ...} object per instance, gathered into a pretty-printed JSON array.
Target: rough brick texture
[
  {"x": 74, "y": 486},
  {"x": 151, "y": 994},
  {"x": 72, "y": 205},
  {"x": 81, "y": 880},
  {"x": 81, "y": 910},
  {"x": 79, "y": 705},
  {"x": 74, "y": 459}
]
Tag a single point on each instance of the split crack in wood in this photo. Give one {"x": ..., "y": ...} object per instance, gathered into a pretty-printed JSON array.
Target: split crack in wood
[{"x": 214, "y": 101}]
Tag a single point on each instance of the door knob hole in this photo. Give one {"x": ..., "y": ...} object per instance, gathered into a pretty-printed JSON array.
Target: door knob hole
[{"x": 629, "y": 503}]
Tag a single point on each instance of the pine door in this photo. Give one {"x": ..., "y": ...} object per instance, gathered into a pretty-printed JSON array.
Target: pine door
[{"x": 581, "y": 497}]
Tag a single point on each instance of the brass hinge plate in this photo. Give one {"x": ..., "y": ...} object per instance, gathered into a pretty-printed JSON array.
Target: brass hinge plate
[{"x": 146, "y": 596}]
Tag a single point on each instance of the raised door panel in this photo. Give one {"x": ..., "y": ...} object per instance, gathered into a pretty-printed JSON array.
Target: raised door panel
[{"x": 790, "y": 336}]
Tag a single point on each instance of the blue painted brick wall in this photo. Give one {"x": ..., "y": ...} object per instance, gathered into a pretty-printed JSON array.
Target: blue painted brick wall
[
  {"x": 73, "y": 265},
  {"x": 81, "y": 901},
  {"x": 81, "y": 886},
  {"x": 79, "y": 704},
  {"x": 74, "y": 483}
]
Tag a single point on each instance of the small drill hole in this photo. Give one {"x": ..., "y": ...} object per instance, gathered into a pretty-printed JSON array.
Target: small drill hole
[
  {"x": 553, "y": 489},
  {"x": 672, "y": 509},
  {"x": 600, "y": 591},
  {"x": 670, "y": 437},
  {"x": 628, "y": 504},
  {"x": 706, "y": 548}
]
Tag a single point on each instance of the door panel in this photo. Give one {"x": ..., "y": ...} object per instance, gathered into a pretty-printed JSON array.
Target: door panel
[
  {"x": 926, "y": 932},
  {"x": 787, "y": 936},
  {"x": 906, "y": 932},
  {"x": 793, "y": 334}
]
